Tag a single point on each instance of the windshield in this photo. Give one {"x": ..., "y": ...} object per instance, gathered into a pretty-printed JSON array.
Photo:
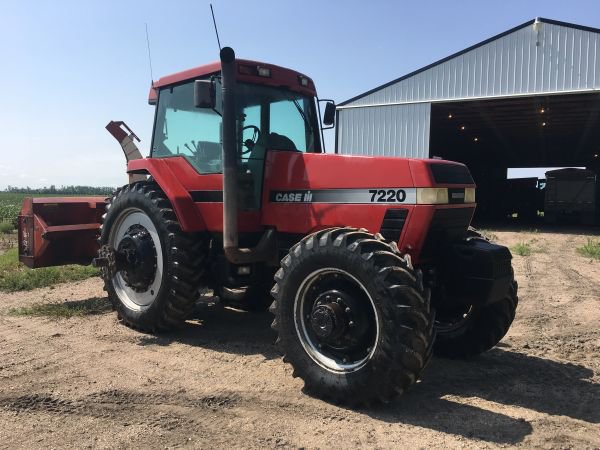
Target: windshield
[{"x": 277, "y": 118}]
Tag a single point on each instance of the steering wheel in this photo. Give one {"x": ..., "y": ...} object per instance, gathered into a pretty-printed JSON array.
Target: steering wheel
[{"x": 250, "y": 143}]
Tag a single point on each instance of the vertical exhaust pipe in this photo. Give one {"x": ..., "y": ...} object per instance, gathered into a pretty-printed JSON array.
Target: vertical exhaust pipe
[
  {"x": 265, "y": 249},
  {"x": 230, "y": 159}
]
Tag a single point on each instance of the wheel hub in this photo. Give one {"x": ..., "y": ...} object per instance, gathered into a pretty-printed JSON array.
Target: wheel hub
[
  {"x": 136, "y": 255},
  {"x": 328, "y": 321},
  {"x": 336, "y": 320}
]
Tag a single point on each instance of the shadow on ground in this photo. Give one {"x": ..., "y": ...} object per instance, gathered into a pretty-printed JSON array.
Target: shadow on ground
[
  {"x": 224, "y": 330},
  {"x": 500, "y": 376}
]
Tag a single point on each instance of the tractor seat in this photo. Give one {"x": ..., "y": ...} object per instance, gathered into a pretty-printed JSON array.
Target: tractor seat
[
  {"x": 280, "y": 142},
  {"x": 273, "y": 141}
]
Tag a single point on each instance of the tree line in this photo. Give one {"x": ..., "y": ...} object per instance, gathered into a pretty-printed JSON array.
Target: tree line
[{"x": 62, "y": 190}]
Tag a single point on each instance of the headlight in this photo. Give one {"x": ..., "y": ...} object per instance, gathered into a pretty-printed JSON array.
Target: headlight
[
  {"x": 469, "y": 195},
  {"x": 432, "y": 196}
]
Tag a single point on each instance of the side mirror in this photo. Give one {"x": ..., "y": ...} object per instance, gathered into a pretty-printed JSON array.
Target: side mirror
[
  {"x": 205, "y": 94},
  {"x": 329, "y": 115}
]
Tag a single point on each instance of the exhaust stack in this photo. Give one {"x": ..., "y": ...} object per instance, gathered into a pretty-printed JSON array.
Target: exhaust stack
[{"x": 265, "y": 249}]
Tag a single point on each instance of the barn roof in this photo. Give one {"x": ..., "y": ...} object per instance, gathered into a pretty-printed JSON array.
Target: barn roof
[{"x": 361, "y": 100}]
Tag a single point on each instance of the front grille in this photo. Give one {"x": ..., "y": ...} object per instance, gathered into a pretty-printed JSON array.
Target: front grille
[
  {"x": 392, "y": 224},
  {"x": 444, "y": 173},
  {"x": 447, "y": 225}
]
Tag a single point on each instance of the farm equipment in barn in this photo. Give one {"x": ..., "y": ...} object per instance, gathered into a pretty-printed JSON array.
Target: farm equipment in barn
[
  {"x": 368, "y": 264},
  {"x": 572, "y": 196}
]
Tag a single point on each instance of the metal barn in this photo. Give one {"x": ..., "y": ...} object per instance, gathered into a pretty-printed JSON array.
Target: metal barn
[{"x": 528, "y": 97}]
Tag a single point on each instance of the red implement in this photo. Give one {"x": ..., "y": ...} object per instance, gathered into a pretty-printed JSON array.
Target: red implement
[{"x": 54, "y": 231}]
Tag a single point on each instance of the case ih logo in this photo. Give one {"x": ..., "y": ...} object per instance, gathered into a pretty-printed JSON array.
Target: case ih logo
[{"x": 292, "y": 196}]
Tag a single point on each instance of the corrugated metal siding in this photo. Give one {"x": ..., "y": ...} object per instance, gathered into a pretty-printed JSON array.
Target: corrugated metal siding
[
  {"x": 396, "y": 130},
  {"x": 566, "y": 59}
]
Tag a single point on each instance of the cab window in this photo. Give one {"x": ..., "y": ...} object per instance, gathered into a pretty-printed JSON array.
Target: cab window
[{"x": 184, "y": 130}]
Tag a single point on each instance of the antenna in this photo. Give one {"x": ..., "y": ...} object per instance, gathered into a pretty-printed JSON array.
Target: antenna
[
  {"x": 215, "y": 24},
  {"x": 149, "y": 56}
]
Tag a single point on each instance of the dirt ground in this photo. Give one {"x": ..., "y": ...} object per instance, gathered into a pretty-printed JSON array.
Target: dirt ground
[{"x": 89, "y": 382}]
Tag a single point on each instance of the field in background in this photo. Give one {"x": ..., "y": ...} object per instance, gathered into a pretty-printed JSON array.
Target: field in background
[
  {"x": 10, "y": 205},
  {"x": 11, "y": 201}
]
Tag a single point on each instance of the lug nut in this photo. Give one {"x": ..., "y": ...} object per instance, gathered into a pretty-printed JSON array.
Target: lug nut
[
  {"x": 347, "y": 310},
  {"x": 351, "y": 323}
]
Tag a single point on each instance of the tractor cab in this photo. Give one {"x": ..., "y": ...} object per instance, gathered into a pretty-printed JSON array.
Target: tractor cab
[{"x": 275, "y": 109}]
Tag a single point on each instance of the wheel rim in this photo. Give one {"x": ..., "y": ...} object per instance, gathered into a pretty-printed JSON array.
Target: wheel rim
[
  {"x": 138, "y": 296},
  {"x": 449, "y": 322},
  {"x": 336, "y": 320}
]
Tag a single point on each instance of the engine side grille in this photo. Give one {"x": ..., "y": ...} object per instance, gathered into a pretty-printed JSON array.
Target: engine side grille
[
  {"x": 447, "y": 225},
  {"x": 392, "y": 224}
]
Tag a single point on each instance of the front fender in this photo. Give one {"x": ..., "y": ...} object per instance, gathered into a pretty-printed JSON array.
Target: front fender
[{"x": 184, "y": 207}]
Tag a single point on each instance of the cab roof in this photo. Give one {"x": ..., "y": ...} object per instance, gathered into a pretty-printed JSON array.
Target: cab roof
[{"x": 247, "y": 72}]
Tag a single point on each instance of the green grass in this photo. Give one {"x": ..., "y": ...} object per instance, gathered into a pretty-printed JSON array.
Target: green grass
[
  {"x": 16, "y": 277},
  {"x": 522, "y": 249},
  {"x": 6, "y": 226},
  {"x": 64, "y": 310},
  {"x": 10, "y": 205},
  {"x": 591, "y": 249}
]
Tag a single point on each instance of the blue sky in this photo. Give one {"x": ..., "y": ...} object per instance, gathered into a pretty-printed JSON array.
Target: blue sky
[{"x": 71, "y": 66}]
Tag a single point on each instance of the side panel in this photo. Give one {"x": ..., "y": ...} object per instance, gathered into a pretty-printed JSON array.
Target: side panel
[{"x": 289, "y": 174}]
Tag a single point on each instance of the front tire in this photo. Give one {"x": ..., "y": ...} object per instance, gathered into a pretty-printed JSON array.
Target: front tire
[
  {"x": 161, "y": 283},
  {"x": 477, "y": 329},
  {"x": 351, "y": 317},
  {"x": 473, "y": 330}
]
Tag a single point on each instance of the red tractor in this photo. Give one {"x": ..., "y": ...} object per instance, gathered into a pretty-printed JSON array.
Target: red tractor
[{"x": 374, "y": 264}]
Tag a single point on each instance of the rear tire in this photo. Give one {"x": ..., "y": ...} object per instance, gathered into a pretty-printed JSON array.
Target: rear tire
[
  {"x": 381, "y": 336},
  {"x": 165, "y": 298}
]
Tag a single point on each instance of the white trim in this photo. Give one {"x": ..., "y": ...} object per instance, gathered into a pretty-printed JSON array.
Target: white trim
[{"x": 463, "y": 99}]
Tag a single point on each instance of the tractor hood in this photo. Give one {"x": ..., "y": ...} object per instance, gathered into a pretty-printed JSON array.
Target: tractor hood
[{"x": 322, "y": 171}]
